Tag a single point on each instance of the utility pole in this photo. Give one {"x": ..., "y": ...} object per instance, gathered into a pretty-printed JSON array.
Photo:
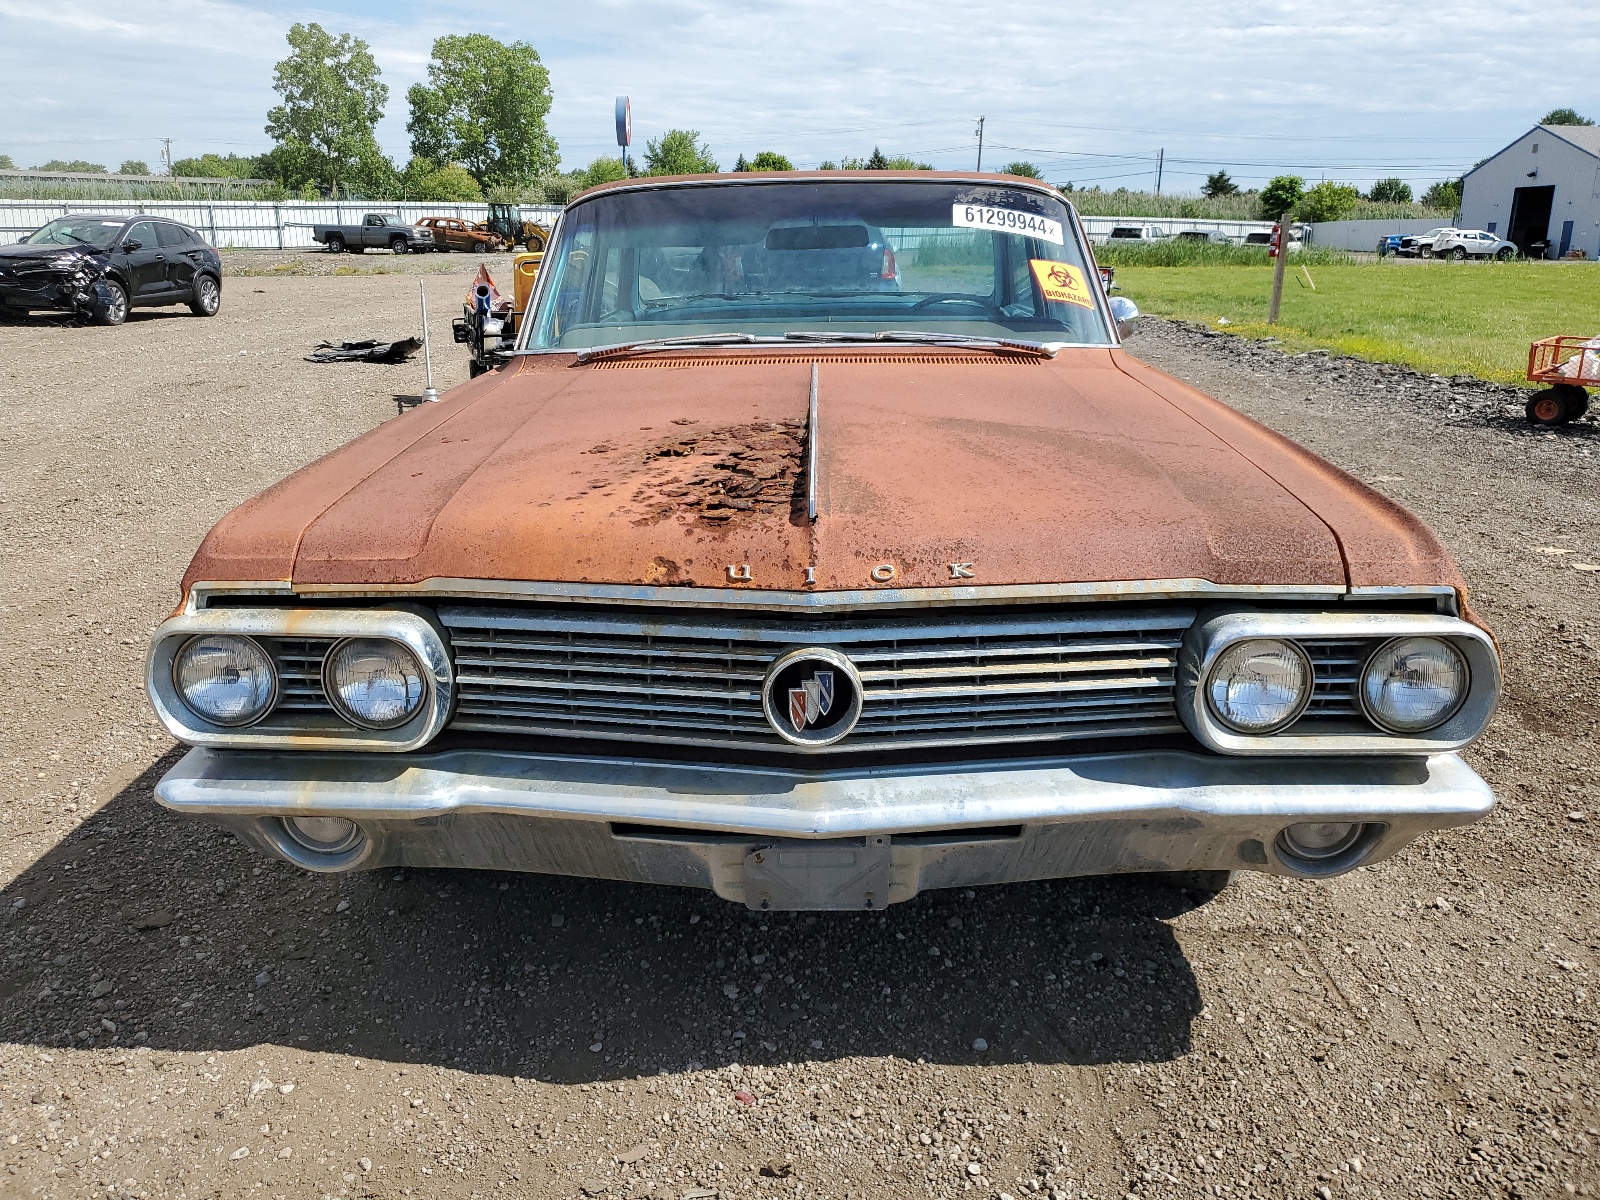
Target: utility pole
[
  {"x": 980, "y": 143},
  {"x": 1280, "y": 251},
  {"x": 166, "y": 153},
  {"x": 1161, "y": 156}
]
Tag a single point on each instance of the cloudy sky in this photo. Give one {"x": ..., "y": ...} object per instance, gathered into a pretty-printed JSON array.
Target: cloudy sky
[{"x": 1091, "y": 92}]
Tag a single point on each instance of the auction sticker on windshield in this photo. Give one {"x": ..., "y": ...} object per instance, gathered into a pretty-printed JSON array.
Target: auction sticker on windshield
[
  {"x": 1061, "y": 281},
  {"x": 1006, "y": 220}
]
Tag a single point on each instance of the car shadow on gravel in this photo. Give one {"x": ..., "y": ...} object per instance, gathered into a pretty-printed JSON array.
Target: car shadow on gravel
[{"x": 142, "y": 928}]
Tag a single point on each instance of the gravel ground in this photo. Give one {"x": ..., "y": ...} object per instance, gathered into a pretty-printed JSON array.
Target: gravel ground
[
  {"x": 179, "y": 1018},
  {"x": 278, "y": 263}
]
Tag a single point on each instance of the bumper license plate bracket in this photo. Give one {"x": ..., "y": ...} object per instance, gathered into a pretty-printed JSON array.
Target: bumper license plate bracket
[{"x": 842, "y": 873}]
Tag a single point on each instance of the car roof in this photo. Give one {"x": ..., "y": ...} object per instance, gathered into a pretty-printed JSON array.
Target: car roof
[{"x": 736, "y": 177}]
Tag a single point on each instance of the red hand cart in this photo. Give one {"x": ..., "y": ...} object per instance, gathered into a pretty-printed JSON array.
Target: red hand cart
[{"x": 1565, "y": 364}]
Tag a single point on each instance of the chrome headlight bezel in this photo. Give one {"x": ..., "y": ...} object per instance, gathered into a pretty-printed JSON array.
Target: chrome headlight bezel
[
  {"x": 285, "y": 728},
  {"x": 1217, "y": 629}
]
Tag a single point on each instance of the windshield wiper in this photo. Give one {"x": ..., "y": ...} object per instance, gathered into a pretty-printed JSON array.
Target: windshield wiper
[
  {"x": 674, "y": 343},
  {"x": 1042, "y": 349}
]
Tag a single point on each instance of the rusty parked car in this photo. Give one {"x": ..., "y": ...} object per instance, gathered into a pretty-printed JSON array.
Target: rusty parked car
[
  {"x": 773, "y": 580},
  {"x": 452, "y": 233}
]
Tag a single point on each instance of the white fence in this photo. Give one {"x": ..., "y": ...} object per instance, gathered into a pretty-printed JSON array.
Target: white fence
[
  {"x": 257, "y": 224},
  {"x": 245, "y": 224},
  {"x": 1099, "y": 228}
]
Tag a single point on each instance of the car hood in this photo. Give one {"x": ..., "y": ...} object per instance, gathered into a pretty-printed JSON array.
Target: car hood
[
  {"x": 66, "y": 258},
  {"x": 931, "y": 467}
]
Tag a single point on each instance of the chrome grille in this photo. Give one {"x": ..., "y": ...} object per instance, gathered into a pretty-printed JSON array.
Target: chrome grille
[
  {"x": 927, "y": 680},
  {"x": 1337, "y": 668},
  {"x": 300, "y": 671}
]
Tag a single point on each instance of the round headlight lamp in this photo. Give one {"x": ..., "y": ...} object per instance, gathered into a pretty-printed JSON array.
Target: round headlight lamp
[
  {"x": 1259, "y": 686},
  {"x": 1413, "y": 684},
  {"x": 224, "y": 679},
  {"x": 374, "y": 682}
]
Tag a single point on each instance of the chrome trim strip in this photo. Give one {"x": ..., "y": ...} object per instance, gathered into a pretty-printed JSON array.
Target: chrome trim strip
[
  {"x": 1200, "y": 794},
  {"x": 1214, "y": 632},
  {"x": 811, "y": 448},
  {"x": 780, "y": 601},
  {"x": 293, "y": 729}
]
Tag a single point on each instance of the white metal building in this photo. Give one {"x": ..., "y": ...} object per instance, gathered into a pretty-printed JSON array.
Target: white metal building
[{"x": 1542, "y": 188}]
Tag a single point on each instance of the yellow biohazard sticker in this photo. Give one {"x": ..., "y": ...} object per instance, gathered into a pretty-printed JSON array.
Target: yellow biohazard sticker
[{"x": 1062, "y": 282}]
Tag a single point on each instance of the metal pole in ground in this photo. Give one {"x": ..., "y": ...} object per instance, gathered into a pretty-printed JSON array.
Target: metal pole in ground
[
  {"x": 430, "y": 394},
  {"x": 1280, "y": 243}
]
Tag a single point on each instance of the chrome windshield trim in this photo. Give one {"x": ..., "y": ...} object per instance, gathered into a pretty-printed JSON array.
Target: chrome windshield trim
[
  {"x": 787, "y": 601},
  {"x": 1079, "y": 234}
]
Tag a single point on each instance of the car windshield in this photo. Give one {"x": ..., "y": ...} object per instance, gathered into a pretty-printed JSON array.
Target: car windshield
[
  {"x": 76, "y": 231},
  {"x": 776, "y": 258}
]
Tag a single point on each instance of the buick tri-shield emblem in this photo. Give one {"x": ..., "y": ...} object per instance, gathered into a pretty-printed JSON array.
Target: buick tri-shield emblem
[
  {"x": 811, "y": 700},
  {"x": 812, "y": 697}
]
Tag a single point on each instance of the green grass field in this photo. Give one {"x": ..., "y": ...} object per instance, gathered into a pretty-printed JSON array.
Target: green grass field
[{"x": 1445, "y": 318}]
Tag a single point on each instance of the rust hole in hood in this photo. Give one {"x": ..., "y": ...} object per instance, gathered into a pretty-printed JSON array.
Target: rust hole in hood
[
  {"x": 789, "y": 359},
  {"x": 720, "y": 475}
]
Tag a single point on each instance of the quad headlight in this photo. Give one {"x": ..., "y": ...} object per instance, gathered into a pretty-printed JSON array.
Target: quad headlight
[
  {"x": 225, "y": 680},
  {"x": 1412, "y": 684},
  {"x": 1259, "y": 686},
  {"x": 374, "y": 682}
]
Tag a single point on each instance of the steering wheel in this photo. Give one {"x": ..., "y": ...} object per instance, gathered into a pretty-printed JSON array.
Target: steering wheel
[{"x": 972, "y": 301}]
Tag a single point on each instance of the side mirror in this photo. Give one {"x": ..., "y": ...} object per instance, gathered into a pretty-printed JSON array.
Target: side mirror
[
  {"x": 1126, "y": 315},
  {"x": 130, "y": 246}
]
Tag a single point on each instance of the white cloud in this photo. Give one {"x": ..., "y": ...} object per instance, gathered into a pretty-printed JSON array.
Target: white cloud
[{"x": 1357, "y": 90}]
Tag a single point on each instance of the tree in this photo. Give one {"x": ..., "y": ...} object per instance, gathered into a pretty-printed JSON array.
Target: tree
[
  {"x": 602, "y": 170},
  {"x": 1564, "y": 116},
  {"x": 877, "y": 162},
  {"x": 769, "y": 160},
  {"x": 1218, "y": 184},
  {"x": 133, "y": 166},
  {"x": 332, "y": 101},
  {"x": 1328, "y": 201},
  {"x": 484, "y": 106},
  {"x": 424, "y": 179},
  {"x": 741, "y": 163},
  {"x": 1281, "y": 194},
  {"x": 1390, "y": 191},
  {"x": 1026, "y": 169},
  {"x": 218, "y": 166},
  {"x": 6, "y": 164},
  {"x": 1444, "y": 195},
  {"x": 900, "y": 162},
  {"x": 678, "y": 152},
  {"x": 74, "y": 165}
]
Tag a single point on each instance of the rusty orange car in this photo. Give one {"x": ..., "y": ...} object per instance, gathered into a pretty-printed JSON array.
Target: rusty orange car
[
  {"x": 452, "y": 233},
  {"x": 818, "y": 542}
]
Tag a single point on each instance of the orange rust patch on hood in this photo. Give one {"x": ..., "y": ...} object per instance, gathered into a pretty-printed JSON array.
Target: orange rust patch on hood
[{"x": 717, "y": 476}]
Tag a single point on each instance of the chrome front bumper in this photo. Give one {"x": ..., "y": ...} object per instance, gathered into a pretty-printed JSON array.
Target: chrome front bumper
[{"x": 788, "y": 838}]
